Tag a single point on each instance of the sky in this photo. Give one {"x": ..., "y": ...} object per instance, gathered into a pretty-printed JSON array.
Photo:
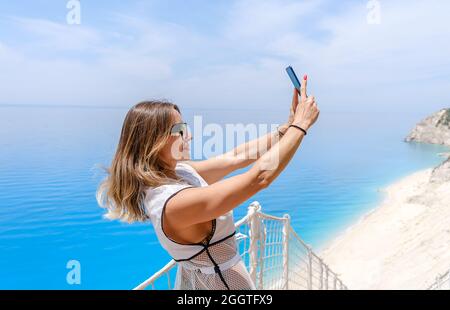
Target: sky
[{"x": 226, "y": 54}]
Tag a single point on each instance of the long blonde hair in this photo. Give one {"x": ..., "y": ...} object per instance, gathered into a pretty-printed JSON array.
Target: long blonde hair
[{"x": 137, "y": 163}]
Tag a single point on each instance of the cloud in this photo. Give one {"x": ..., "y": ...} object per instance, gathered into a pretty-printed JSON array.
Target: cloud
[
  {"x": 75, "y": 65},
  {"x": 254, "y": 19},
  {"x": 359, "y": 65},
  {"x": 352, "y": 64},
  {"x": 406, "y": 40},
  {"x": 49, "y": 35}
]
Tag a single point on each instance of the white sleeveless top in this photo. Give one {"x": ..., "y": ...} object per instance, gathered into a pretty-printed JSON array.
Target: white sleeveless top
[{"x": 214, "y": 263}]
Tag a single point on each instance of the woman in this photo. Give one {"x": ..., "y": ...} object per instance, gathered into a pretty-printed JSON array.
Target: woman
[{"x": 189, "y": 202}]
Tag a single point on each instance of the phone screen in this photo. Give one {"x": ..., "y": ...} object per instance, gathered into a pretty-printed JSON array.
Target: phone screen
[{"x": 293, "y": 78}]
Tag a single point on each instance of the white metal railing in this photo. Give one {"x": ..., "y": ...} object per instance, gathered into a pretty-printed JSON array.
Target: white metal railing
[
  {"x": 275, "y": 256},
  {"x": 442, "y": 282}
]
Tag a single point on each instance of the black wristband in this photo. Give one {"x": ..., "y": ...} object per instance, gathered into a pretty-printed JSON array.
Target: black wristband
[{"x": 300, "y": 128}]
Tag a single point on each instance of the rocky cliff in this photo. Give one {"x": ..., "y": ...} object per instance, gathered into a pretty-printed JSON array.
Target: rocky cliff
[
  {"x": 441, "y": 173},
  {"x": 434, "y": 129}
]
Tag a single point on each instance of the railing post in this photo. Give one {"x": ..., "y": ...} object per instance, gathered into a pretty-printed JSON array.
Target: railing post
[
  {"x": 334, "y": 282},
  {"x": 262, "y": 246},
  {"x": 321, "y": 274},
  {"x": 168, "y": 281},
  {"x": 309, "y": 269},
  {"x": 286, "y": 226},
  {"x": 253, "y": 209},
  {"x": 326, "y": 277}
]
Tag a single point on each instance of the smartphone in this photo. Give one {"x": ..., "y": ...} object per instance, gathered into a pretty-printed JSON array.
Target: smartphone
[{"x": 294, "y": 78}]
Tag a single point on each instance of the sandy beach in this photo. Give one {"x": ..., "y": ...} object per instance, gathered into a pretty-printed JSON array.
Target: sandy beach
[{"x": 404, "y": 243}]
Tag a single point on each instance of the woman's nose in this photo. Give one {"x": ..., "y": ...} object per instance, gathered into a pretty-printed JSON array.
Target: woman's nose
[{"x": 188, "y": 137}]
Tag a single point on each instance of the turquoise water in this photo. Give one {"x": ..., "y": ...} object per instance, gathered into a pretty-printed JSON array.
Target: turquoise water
[{"x": 49, "y": 172}]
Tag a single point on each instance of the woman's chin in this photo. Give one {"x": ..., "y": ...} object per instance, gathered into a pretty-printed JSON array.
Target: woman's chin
[
  {"x": 187, "y": 156},
  {"x": 184, "y": 156}
]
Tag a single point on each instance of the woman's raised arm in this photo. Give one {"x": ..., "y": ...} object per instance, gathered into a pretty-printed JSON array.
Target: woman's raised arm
[{"x": 216, "y": 168}]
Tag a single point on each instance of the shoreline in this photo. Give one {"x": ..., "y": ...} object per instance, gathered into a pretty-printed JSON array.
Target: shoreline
[{"x": 399, "y": 244}]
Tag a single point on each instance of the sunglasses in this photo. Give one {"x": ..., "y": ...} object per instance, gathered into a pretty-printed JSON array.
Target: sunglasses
[{"x": 179, "y": 129}]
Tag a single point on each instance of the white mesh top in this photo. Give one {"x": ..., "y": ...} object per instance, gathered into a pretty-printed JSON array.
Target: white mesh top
[{"x": 214, "y": 263}]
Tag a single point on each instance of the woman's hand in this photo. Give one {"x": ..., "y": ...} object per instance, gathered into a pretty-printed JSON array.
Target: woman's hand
[
  {"x": 306, "y": 113},
  {"x": 282, "y": 128}
]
